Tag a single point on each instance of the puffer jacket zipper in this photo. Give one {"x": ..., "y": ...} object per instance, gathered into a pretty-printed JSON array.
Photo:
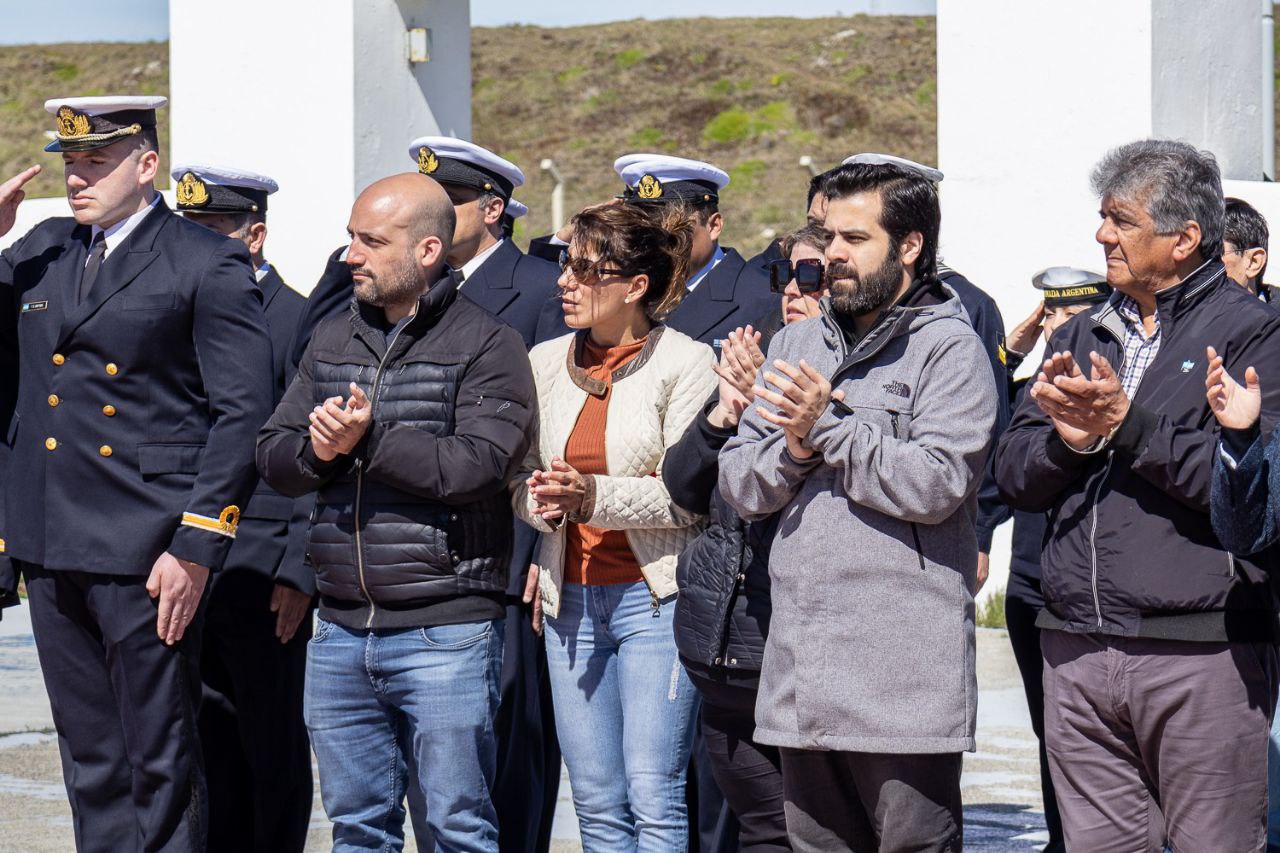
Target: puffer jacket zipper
[
  {"x": 736, "y": 590},
  {"x": 359, "y": 509}
]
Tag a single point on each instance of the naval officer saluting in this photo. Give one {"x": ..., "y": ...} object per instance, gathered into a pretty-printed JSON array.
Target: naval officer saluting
[
  {"x": 257, "y": 755},
  {"x": 136, "y": 343}
]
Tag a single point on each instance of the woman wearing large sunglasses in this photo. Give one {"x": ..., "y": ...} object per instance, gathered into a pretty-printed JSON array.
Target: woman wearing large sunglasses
[
  {"x": 612, "y": 397},
  {"x": 722, "y": 615}
]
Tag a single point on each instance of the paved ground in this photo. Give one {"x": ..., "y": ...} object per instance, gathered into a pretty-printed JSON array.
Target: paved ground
[{"x": 1001, "y": 780}]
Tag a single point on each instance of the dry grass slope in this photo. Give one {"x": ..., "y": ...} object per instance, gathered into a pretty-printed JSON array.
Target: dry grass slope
[
  {"x": 751, "y": 95},
  {"x": 29, "y": 74}
]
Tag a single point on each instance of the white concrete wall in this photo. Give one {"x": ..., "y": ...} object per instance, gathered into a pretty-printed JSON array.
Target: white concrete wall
[
  {"x": 1205, "y": 86},
  {"x": 396, "y": 101},
  {"x": 268, "y": 87}
]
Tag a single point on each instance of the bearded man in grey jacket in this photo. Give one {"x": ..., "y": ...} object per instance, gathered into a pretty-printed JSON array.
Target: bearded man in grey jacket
[{"x": 870, "y": 433}]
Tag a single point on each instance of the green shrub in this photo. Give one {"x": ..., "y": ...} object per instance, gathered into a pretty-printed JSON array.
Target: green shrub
[
  {"x": 628, "y": 57},
  {"x": 991, "y": 615},
  {"x": 731, "y": 125},
  {"x": 65, "y": 71}
]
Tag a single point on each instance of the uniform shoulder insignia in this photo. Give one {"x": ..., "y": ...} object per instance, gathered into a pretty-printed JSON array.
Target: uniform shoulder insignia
[
  {"x": 428, "y": 162},
  {"x": 192, "y": 192},
  {"x": 72, "y": 124},
  {"x": 649, "y": 187}
]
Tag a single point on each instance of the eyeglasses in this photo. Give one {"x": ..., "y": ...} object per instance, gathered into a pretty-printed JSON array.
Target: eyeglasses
[
  {"x": 807, "y": 272},
  {"x": 584, "y": 269}
]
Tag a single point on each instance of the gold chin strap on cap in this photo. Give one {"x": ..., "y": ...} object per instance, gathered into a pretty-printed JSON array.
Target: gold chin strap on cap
[{"x": 102, "y": 137}]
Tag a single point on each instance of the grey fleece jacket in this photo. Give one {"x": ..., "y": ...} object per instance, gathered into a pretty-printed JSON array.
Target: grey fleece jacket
[{"x": 871, "y": 646}]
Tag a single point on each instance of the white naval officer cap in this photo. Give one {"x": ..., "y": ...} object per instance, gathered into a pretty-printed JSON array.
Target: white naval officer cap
[
  {"x": 870, "y": 159},
  {"x": 661, "y": 177},
  {"x": 221, "y": 189},
  {"x": 455, "y": 161},
  {"x": 85, "y": 123}
]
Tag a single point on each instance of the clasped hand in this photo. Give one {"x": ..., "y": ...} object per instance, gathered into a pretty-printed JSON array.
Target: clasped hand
[
  {"x": 336, "y": 428},
  {"x": 1083, "y": 409},
  {"x": 558, "y": 493},
  {"x": 802, "y": 396}
]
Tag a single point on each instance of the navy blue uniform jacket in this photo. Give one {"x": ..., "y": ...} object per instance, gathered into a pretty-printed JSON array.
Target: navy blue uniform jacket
[
  {"x": 265, "y": 542},
  {"x": 132, "y": 432}
]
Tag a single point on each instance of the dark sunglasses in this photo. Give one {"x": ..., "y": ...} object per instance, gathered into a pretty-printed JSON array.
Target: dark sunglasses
[
  {"x": 585, "y": 270},
  {"x": 808, "y": 274}
]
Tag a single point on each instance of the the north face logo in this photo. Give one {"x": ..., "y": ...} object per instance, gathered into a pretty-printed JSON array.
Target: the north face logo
[{"x": 900, "y": 389}]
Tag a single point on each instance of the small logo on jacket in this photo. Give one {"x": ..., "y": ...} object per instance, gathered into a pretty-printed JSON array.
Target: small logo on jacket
[
  {"x": 900, "y": 389},
  {"x": 1188, "y": 365}
]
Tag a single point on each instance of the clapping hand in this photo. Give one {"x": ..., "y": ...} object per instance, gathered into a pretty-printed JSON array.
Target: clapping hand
[
  {"x": 802, "y": 396},
  {"x": 740, "y": 358},
  {"x": 1235, "y": 406},
  {"x": 557, "y": 493},
  {"x": 336, "y": 429},
  {"x": 1083, "y": 409}
]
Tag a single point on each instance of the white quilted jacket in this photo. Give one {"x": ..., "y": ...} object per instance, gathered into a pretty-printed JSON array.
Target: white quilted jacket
[{"x": 655, "y": 397}]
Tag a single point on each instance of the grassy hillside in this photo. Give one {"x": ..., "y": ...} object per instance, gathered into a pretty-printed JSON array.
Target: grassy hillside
[
  {"x": 750, "y": 95},
  {"x": 31, "y": 73}
]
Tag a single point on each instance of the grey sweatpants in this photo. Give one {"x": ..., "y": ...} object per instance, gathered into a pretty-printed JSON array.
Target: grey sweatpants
[{"x": 1155, "y": 740}]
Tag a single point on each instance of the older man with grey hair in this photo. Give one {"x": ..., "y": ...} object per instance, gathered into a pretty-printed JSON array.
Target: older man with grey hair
[{"x": 1160, "y": 662}]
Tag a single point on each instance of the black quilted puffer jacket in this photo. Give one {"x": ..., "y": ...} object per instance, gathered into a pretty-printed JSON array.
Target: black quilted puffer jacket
[{"x": 413, "y": 528}]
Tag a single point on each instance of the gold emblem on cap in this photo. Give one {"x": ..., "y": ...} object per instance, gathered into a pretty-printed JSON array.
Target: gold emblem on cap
[
  {"x": 192, "y": 192},
  {"x": 649, "y": 187},
  {"x": 72, "y": 124},
  {"x": 428, "y": 162}
]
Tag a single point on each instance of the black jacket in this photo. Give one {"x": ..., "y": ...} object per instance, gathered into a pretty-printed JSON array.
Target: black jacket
[
  {"x": 131, "y": 415},
  {"x": 1130, "y": 550},
  {"x": 272, "y": 531},
  {"x": 984, "y": 316},
  {"x": 521, "y": 290},
  {"x": 414, "y": 527},
  {"x": 722, "y": 613}
]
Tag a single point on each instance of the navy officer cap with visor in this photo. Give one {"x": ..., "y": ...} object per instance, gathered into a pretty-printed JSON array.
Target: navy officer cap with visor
[
  {"x": 456, "y": 161},
  {"x": 220, "y": 189},
  {"x": 83, "y": 124},
  {"x": 657, "y": 178}
]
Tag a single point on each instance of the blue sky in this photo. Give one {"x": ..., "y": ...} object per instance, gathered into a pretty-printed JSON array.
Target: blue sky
[{"x": 26, "y": 21}]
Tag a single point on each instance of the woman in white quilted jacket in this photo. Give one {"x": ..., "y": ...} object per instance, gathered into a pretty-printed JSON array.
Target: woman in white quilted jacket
[{"x": 612, "y": 397}]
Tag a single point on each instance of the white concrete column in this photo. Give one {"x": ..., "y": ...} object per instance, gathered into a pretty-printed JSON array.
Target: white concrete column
[
  {"x": 321, "y": 96},
  {"x": 1031, "y": 93}
]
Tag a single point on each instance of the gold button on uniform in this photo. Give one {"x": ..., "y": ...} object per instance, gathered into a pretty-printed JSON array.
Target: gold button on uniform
[
  {"x": 105, "y": 450},
  {"x": 51, "y": 443},
  {"x": 59, "y": 358},
  {"x": 53, "y": 400},
  {"x": 109, "y": 411},
  {"x": 112, "y": 370}
]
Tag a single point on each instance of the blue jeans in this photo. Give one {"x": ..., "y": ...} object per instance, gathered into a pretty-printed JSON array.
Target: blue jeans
[
  {"x": 1273, "y": 785},
  {"x": 625, "y": 712},
  {"x": 375, "y": 697}
]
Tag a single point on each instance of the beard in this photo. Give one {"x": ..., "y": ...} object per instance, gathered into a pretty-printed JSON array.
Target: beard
[
  {"x": 398, "y": 285},
  {"x": 852, "y": 295}
]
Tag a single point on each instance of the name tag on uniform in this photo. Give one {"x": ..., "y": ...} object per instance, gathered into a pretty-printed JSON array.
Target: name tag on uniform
[{"x": 35, "y": 306}]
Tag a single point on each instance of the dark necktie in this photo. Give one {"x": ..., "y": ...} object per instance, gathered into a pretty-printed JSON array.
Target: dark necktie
[{"x": 97, "y": 251}]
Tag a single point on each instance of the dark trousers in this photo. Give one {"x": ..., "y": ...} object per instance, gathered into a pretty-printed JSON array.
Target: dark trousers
[
  {"x": 713, "y": 827},
  {"x": 868, "y": 802},
  {"x": 124, "y": 705},
  {"x": 256, "y": 752},
  {"x": 748, "y": 773},
  {"x": 528, "y": 778},
  {"x": 1022, "y": 604},
  {"x": 1159, "y": 741}
]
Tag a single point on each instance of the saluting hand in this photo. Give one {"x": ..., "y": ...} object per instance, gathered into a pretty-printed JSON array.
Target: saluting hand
[
  {"x": 11, "y": 195},
  {"x": 179, "y": 584},
  {"x": 336, "y": 428},
  {"x": 801, "y": 398},
  {"x": 1024, "y": 336},
  {"x": 1234, "y": 406}
]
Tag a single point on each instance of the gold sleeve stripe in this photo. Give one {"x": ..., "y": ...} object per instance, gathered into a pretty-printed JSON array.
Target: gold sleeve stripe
[
  {"x": 1, "y": 546},
  {"x": 225, "y": 525}
]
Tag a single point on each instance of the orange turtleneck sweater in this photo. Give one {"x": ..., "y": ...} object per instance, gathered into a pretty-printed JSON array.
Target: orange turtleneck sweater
[{"x": 593, "y": 555}]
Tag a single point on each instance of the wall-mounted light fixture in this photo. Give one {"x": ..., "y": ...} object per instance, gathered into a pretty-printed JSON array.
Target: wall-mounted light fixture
[{"x": 417, "y": 42}]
